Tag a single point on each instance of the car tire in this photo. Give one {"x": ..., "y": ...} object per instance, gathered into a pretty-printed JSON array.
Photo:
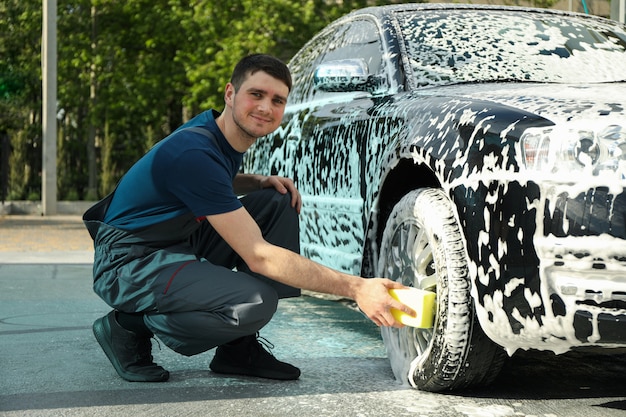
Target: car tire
[{"x": 422, "y": 246}]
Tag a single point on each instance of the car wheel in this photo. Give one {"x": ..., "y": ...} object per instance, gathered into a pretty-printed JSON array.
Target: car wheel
[{"x": 422, "y": 246}]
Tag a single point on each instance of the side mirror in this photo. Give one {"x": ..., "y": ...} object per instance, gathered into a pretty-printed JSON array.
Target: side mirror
[{"x": 345, "y": 75}]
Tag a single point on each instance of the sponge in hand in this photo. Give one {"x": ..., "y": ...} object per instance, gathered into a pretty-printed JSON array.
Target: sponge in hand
[{"x": 421, "y": 301}]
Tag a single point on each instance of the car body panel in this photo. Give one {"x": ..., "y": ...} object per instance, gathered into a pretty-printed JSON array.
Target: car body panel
[{"x": 547, "y": 252}]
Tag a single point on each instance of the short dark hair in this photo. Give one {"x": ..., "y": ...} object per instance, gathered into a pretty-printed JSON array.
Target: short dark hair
[{"x": 251, "y": 64}]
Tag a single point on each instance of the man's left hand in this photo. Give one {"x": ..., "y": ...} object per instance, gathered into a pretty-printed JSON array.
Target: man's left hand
[{"x": 284, "y": 185}]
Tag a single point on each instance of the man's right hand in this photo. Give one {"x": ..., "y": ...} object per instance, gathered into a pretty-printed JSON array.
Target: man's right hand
[{"x": 375, "y": 302}]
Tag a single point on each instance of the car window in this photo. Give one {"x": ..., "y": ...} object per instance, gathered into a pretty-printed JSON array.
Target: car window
[
  {"x": 359, "y": 39},
  {"x": 303, "y": 66},
  {"x": 355, "y": 39},
  {"x": 445, "y": 47}
]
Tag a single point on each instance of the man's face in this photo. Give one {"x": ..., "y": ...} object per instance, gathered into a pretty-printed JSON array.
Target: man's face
[{"x": 259, "y": 104}]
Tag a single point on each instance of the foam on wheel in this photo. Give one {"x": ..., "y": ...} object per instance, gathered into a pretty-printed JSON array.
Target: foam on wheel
[{"x": 423, "y": 247}]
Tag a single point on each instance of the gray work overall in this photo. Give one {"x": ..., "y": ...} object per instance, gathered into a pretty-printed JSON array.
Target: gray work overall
[{"x": 195, "y": 291}]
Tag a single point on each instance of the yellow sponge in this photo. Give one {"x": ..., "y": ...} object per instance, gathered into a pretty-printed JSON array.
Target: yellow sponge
[{"x": 422, "y": 301}]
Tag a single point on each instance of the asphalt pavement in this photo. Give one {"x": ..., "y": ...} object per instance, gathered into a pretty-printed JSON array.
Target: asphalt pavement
[{"x": 51, "y": 365}]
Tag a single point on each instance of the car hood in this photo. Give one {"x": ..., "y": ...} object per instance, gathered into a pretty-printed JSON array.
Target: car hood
[{"x": 555, "y": 102}]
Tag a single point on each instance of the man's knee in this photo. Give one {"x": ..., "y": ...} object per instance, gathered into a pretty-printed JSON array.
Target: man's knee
[
  {"x": 259, "y": 311},
  {"x": 284, "y": 200},
  {"x": 268, "y": 201}
]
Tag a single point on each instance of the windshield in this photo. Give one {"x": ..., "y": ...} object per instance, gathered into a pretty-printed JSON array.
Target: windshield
[{"x": 447, "y": 47}]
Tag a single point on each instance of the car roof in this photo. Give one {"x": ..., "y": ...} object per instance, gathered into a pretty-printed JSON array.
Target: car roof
[{"x": 385, "y": 11}]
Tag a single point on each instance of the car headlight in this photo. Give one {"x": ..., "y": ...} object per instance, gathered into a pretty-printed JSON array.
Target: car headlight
[{"x": 556, "y": 150}]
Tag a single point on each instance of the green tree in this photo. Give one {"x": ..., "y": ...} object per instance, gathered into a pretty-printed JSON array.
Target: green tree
[
  {"x": 20, "y": 103},
  {"x": 129, "y": 73},
  {"x": 221, "y": 34},
  {"x": 139, "y": 84},
  {"x": 74, "y": 43}
]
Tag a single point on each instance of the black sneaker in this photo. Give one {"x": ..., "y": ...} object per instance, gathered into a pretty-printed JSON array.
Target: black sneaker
[
  {"x": 130, "y": 354},
  {"x": 247, "y": 356}
]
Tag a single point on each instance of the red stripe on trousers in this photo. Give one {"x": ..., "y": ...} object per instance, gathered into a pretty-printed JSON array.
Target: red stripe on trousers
[{"x": 167, "y": 287}]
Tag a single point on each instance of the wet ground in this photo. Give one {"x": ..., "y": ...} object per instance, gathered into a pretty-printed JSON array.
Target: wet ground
[{"x": 52, "y": 366}]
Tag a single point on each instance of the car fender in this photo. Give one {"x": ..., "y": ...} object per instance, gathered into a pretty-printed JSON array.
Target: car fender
[{"x": 457, "y": 145}]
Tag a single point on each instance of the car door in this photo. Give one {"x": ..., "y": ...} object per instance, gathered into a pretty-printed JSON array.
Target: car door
[{"x": 326, "y": 137}]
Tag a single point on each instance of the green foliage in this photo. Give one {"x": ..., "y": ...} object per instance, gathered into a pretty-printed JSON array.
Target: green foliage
[
  {"x": 20, "y": 105},
  {"x": 536, "y": 3},
  {"x": 221, "y": 34},
  {"x": 11, "y": 84},
  {"x": 129, "y": 73}
]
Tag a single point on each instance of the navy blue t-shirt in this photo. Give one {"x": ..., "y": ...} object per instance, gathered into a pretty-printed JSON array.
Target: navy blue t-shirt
[{"x": 184, "y": 173}]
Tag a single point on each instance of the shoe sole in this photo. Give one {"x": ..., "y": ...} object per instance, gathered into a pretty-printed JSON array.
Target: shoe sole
[{"x": 102, "y": 332}]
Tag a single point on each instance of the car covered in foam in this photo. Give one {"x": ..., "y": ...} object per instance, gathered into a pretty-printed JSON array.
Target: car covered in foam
[{"x": 478, "y": 152}]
